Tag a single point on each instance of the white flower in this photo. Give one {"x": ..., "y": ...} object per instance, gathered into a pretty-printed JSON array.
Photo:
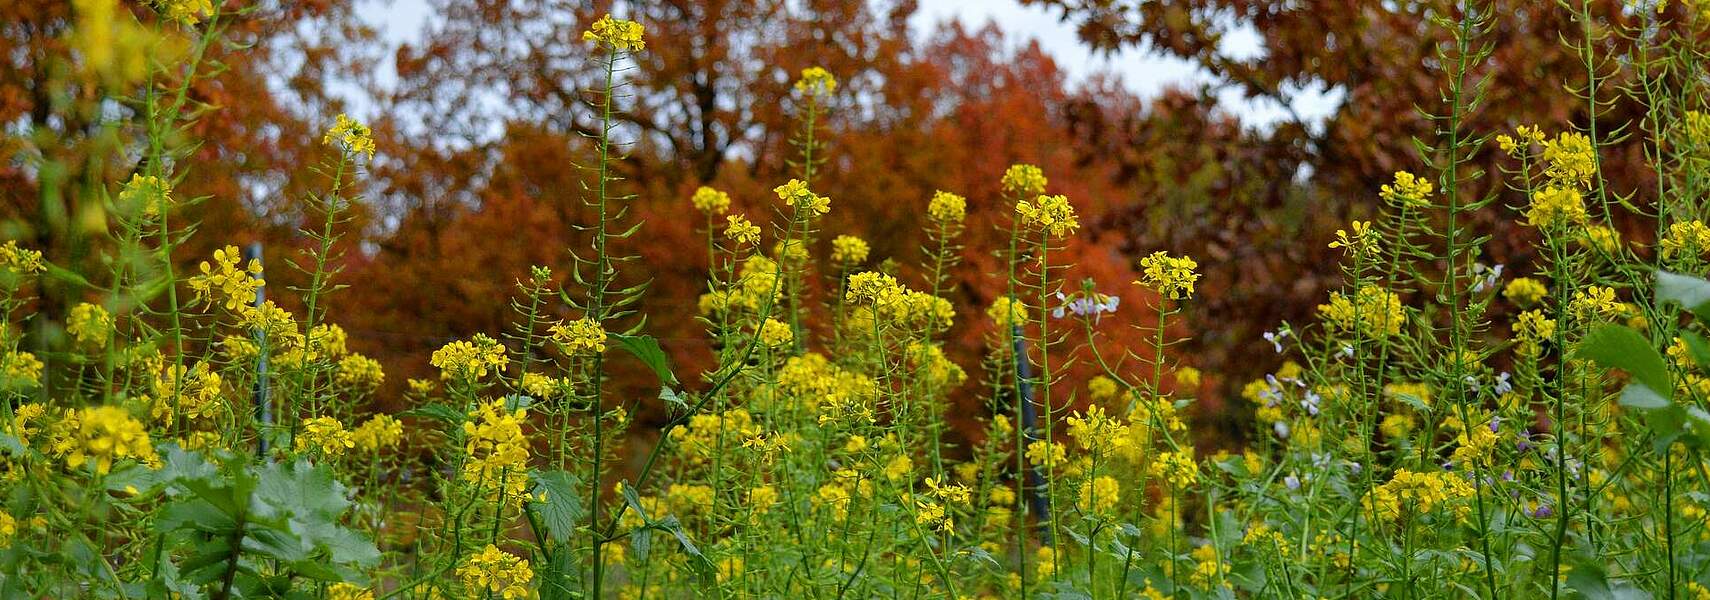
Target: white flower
[{"x": 1276, "y": 338}]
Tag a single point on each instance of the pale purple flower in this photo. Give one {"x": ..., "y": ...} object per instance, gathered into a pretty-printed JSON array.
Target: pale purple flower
[
  {"x": 1276, "y": 338},
  {"x": 1292, "y": 482}
]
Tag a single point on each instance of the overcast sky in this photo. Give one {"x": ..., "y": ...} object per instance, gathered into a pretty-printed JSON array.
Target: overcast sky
[{"x": 401, "y": 21}]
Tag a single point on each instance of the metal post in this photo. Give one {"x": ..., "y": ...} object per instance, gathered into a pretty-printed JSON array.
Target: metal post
[
  {"x": 263, "y": 408},
  {"x": 1037, "y": 497}
]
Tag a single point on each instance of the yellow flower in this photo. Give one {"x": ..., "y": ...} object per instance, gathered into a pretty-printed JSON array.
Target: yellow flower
[
  {"x": 8, "y": 529},
  {"x": 1187, "y": 378},
  {"x": 360, "y": 372},
  {"x": 1046, "y": 454},
  {"x": 187, "y": 12},
  {"x": 1102, "y": 388},
  {"x": 849, "y": 249},
  {"x": 1602, "y": 237},
  {"x": 21, "y": 369},
  {"x": 1408, "y": 191},
  {"x": 1408, "y": 492},
  {"x": 1178, "y": 468},
  {"x": 1008, "y": 312},
  {"x": 796, "y": 192},
  {"x": 580, "y": 336},
  {"x": 1172, "y": 276},
  {"x": 1051, "y": 214},
  {"x": 470, "y": 360},
  {"x": 1557, "y": 207},
  {"x": 1593, "y": 302},
  {"x": 350, "y": 135},
  {"x": 1363, "y": 241},
  {"x": 620, "y": 35},
  {"x": 1531, "y": 330},
  {"x": 324, "y": 434},
  {"x": 378, "y": 433},
  {"x": 1571, "y": 159},
  {"x": 1525, "y": 292},
  {"x": 900, "y": 466},
  {"x": 816, "y": 81},
  {"x": 775, "y": 334},
  {"x": 1372, "y": 311},
  {"x": 740, "y": 230},
  {"x": 1689, "y": 239},
  {"x": 225, "y": 282},
  {"x": 947, "y": 209},
  {"x": 1023, "y": 181},
  {"x": 20, "y": 261},
  {"x": 89, "y": 325},
  {"x": 345, "y": 591},
  {"x": 146, "y": 193},
  {"x": 1100, "y": 496},
  {"x": 498, "y": 572},
  {"x": 101, "y": 435},
  {"x": 193, "y": 393},
  {"x": 710, "y": 201}
]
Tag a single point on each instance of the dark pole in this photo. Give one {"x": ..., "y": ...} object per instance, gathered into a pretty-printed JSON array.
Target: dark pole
[
  {"x": 263, "y": 409},
  {"x": 1030, "y": 418}
]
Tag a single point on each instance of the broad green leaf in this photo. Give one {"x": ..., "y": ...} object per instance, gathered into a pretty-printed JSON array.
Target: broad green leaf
[
  {"x": 1690, "y": 292},
  {"x": 562, "y": 508},
  {"x": 646, "y": 348},
  {"x": 1620, "y": 347},
  {"x": 1697, "y": 347}
]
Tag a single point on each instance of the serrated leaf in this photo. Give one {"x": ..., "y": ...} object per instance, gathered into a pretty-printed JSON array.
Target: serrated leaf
[
  {"x": 646, "y": 348},
  {"x": 1620, "y": 347},
  {"x": 562, "y": 508}
]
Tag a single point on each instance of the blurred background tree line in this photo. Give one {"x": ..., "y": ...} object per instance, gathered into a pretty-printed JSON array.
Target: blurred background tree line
[{"x": 480, "y": 133}]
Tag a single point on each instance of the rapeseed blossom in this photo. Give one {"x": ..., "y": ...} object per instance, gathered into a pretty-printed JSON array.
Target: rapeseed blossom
[
  {"x": 1408, "y": 191},
  {"x": 947, "y": 209},
  {"x": 1525, "y": 292},
  {"x": 379, "y": 432},
  {"x": 816, "y": 82},
  {"x": 581, "y": 336},
  {"x": 620, "y": 35},
  {"x": 351, "y": 136},
  {"x": 795, "y": 192},
  {"x": 147, "y": 193},
  {"x": 325, "y": 435},
  {"x": 710, "y": 201},
  {"x": 1052, "y": 214},
  {"x": 89, "y": 325},
  {"x": 470, "y": 360},
  {"x": 100, "y": 436},
  {"x": 848, "y": 249},
  {"x": 1556, "y": 207},
  {"x": 1371, "y": 311},
  {"x": 497, "y": 572},
  {"x": 1025, "y": 181},
  {"x": 1171, "y": 276},
  {"x": 739, "y": 230}
]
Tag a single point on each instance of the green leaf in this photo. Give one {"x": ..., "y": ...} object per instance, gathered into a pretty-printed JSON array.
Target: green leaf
[
  {"x": 1690, "y": 292},
  {"x": 1697, "y": 347},
  {"x": 1620, "y": 347},
  {"x": 671, "y": 397},
  {"x": 437, "y": 411},
  {"x": 646, "y": 348},
  {"x": 562, "y": 509}
]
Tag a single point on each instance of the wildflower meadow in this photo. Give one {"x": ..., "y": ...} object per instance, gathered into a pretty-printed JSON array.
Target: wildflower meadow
[{"x": 1441, "y": 426}]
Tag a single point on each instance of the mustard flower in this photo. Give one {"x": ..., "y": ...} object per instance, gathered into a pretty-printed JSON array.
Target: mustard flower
[
  {"x": 1686, "y": 239},
  {"x": 225, "y": 282},
  {"x": 193, "y": 392},
  {"x": 1359, "y": 239},
  {"x": 21, "y": 369},
  {"x": 1556, "y": 207},
  {"x": 378, "y": 433},
  {"x": 100, "y": 436},
  {"x": 1177, "y": 467},
  {"x": 775, "y": 334},
  {"x": 1008, "y": 312},
  {"x": 1187, "y": 378},
  {"x": 710, "y": 201},
  {"x": 1051, "y": 214},
  {"x": 1594, "y": 301},
  {"x": 1024, "y": 181},
  {"x": 816, "y": 82},
  {"x": 1570, "y": 159},
  {"x": 947, "y": 209},
  {"x": 1409, "y": 492},
  {"x": 581, "y": 336},
  {"x": 325, "y": 435},
  {"x": 498, "y": 451},
  {"x": 1525, "y": 292},
  {"x": 1372, "y": 311},
  {"x": 495, "y": 571},
  {"x": 147, "y": 193},
  {"x": 872, "y": 288},
  {"x": 1531, "y": 330},
  {"x": 1045, "y": 453},
  {"x": 345, "y": 591},
  {"x": 738, "y": 229},
  {"x": 360, "y": 372},
  {"x": 8, "y": 529},
  {"x": 1100, "y": 496},
  {"x": 89, "y": 325},
  {"x": 1408, "y": 191},
  {"x": 796, "y": 191},
  {"x": 186, "y": 12},
  {"x": 351, "y": 136},
  {"x": 470, "y": 360},
  {"x": 1171, "y": 276},
  {"x": 1603, "y": 238},
  {"x": 19, "y": 261},
  {"x": 620, "y": 35},
  {"x": 848, "y": 249}
]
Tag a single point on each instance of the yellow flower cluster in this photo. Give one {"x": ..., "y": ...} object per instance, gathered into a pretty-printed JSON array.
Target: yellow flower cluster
[
  {"x": 848, "y": 249},
  {"x": 796, "y": 192},
  {"x": 934, "y": 367},
  {"x": 1557, "y": 207},
  {"x": 469, "y": 360},
  {"x": 1410, "y": 493},
  {"x": 620, "y": 35},
  {"x": 1046, "y": 453},
  {"x": 816, "y": 81},
  {"x": 1052, "y": 214},
  {"x": 1408, "y": 191},
  {"x": 581, "y": 336},
  {"x": 101, "y": 435},
  {"x": 193, "y": 393},
  {"x": 1529, "y": 135},
  {"x": 8, "y": 529},
  {"x": 224, "y": 282},
  {"x": 1023, "y": 181},
  {"x": 1531, "y": 330},
  {"x": 1525, "y": 292},
  {"x": 1687, "y": 239},
  {"x": 1171, "y": 276},
  {"x": 325, "y": 435},
  {"x": 1359, "y": 239},
  {"x": 21, "y": 369},
  {"x": 378, "y": 433},
  {"x": 494, "y": 571},
  {"x": 738, "y": 229},
  {"x": 1100, "y": 496},
  {"x": 350, "y": 135},
  {"x": 893, "y": 301},
  {"x": 1371, "y": 311},
  {"x": 776, "y": 334},
  {"x": 1008, "y": 312},
  {"x": 1594, "y": 302},
  {"x": 147, "y": 194},
  {"x": 1570, "y": 158},
  {"x": 187, "y": 12},
  {"x": 89, "y": 325},
  {"x": 498, "y": 451},
  {"x": 705, "y": 434},
  {"x": 710, "y": 201},
  {"x": 345, "y": 591},
  {"x": 1099, "y": 434},
  {"x": 1177, "y": 467},
  {"x": 947, "y": 209},
  {"x": 1602, "y": 237},
  {"x": 360, "y": 372},
  {"x": 19, "y": 261},
  {"x": 837, "y": 394}
]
